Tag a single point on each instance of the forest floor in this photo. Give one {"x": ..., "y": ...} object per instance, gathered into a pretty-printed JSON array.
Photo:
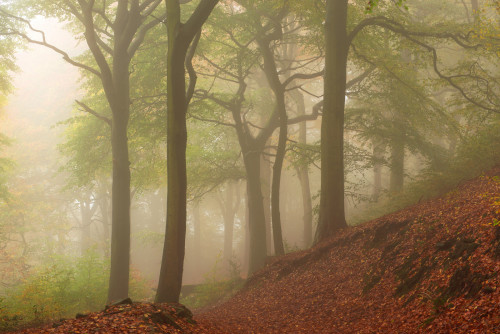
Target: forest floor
[{"x": 431, "y": 268}]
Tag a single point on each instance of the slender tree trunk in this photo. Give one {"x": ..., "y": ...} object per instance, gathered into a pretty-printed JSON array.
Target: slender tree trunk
[
  {"x": 332, "y": 214},
  {"x": 230, "y": 207},
  {"x": 180, "y": 36},
  {"x": 246, "y": 251},
  {"x": 86, "y": 222},
  {"x": 397, "y": 164},
  {"x": 276, "y": 183},
  {"x": 169, "y": 285},
  {"x": 228, "y": 213},
  {"x": 378, "y": 153},
  {"x": 197, "y": 232},
  {"x": 273, "y": 79},
  {"x": 303, "y": 174},
  {"x": 265, "y": 169},
  {"x": 475, "y": 9},
  {"x": 104, "y": 208}
]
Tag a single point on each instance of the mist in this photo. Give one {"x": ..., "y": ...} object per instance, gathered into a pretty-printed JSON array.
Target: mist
[{"x": 181, "y": 153}]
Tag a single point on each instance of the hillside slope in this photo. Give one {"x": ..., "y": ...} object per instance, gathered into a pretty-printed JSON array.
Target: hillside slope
[{"x": 431, "y": 268}]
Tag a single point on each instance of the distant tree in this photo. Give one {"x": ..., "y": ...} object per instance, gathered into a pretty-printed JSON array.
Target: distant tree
[
  {"x": 338, "y": 42},
  {"x": 113, "y": 33}
]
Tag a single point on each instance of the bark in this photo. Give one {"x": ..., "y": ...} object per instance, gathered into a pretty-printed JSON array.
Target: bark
[
  {"x": 170, "y": 281},
  {"x": 120, "y": 202},
  {"x": 276, "y": 182},
  {"x": 303, "y": 174},
  {"x": 87, "y": 212},
  {"x": 397, "y": 164},
  {"x": 265, "y": 169},
  {"x": 197, "y": 232},
  {"x": 332, "y": 214},
  {"x": 104, "y": 208},
  {"x": 256, "y": 217},
  {"x": 277, "y": 87},
  {"x": 180, "y": 37},
  {"x": 115, "y": 81},
  {"x": 246, "y": 252},
  {"x": 229, "y": 207},
  {"x": 378, "y": 153},
  {"x": 475, "y": 9}
]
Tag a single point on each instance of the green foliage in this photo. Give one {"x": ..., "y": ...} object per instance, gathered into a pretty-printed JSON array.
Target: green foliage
[
  {"x": 214, "y": 288},
  {"x": 289, "y": 248},
  {"x": 374, "y": 3},
  {"x": 61, "y": 288},
  {"x": 477, "y": 152}
]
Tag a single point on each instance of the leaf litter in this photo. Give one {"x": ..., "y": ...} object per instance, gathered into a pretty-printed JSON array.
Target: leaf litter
[{"x": 431, "y": 268}]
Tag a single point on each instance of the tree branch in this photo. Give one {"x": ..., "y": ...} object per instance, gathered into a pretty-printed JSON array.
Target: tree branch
[
  {"x": 189, "y": 65},
  {"x": 95, "y": 113}
]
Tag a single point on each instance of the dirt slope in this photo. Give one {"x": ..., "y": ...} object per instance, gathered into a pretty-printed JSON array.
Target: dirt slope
[{"x": 431, "y": 268}]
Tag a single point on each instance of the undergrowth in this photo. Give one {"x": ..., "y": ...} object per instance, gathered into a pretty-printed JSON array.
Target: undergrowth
[
  {"x": 216, "y": 286},
  {"x": 61, "y": 288},
  {"x": 476, "y": 154}
]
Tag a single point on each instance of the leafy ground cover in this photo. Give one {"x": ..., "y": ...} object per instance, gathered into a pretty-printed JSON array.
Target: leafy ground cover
[{"x": 431, "y": 268}]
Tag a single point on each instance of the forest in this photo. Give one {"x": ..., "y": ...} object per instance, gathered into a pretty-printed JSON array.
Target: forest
[{"x": 249, "y": 166}]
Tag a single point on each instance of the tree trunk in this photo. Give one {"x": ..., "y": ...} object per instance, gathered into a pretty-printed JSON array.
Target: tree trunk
[
  {"x": 86, "y": 222},
  {"x": 246, "y": 251},
  {"x": 265, "y": 169},
  {"x": 120, "y": 203},
  {"x": 256, "y": 217},
  {"x": 303, "y": 174},
  {"x": 397, "y": 164},
  {"x": 197, "y": 232},
  {"x": 331, "y": 211},
  {"x": 475, "y": 9},
  {"x": 229, "y": 208},
  {"x": 276, "y": 183},
  {"x": 273, "y": 79},
  {"x": 228, "y": 214},
  {"x": 104, "y": 208},
  {"x": 180, "y": 36},
  {"x": 378, "y": 154},
  {"x": 169, "y": 285}
]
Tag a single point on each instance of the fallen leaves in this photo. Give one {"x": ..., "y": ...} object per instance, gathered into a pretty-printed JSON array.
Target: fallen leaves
[
  {"x": 431, "y": 268},
  {"x": 349, "y": 284}
]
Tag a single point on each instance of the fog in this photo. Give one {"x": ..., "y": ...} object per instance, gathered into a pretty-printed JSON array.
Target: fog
[{"x": 88, "y": 148}]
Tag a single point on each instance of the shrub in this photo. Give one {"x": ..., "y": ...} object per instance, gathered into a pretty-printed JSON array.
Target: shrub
[{"x": 61, "y": 288}]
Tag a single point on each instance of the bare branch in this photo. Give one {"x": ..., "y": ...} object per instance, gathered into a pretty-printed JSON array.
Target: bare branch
[
  {"x": 210, "y": 120},
  {"x": 302, "y": 76},
  {"x": 65, "y": 55},
  {"x": 189, "y": 65},
  {"x": 93, "y": 112}
]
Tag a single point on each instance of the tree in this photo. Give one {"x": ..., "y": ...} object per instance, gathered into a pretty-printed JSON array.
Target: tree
[
  {"x": 331, "y": 207},
  {"x": 113, "y": 33},
  {"x": 338, "y": 42},
  {"x": 180, "y": 37}
]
